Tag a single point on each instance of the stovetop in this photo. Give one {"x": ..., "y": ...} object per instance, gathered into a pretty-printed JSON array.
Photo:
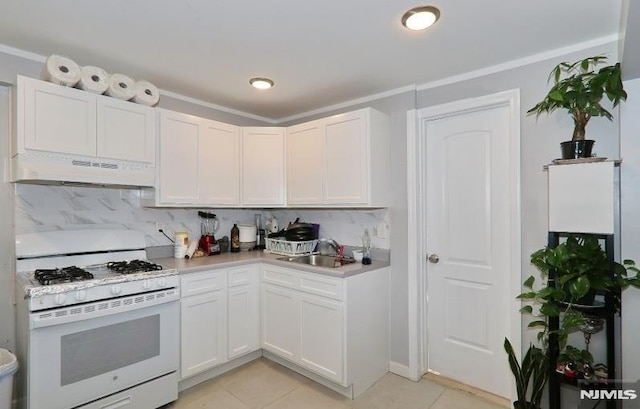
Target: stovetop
[{"x": 56, "y": 281}]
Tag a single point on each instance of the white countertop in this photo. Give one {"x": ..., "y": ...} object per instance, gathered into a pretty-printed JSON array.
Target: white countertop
[{"x": 247, "y": 257}]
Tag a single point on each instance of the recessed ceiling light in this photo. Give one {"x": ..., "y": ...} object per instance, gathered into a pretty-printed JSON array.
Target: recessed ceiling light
[
  {"x": 261, "y": 83},
  {"x": 419, "y": 18}
]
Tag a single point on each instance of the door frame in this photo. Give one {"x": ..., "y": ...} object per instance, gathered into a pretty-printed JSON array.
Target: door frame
[{"x": 416, "y": 180}]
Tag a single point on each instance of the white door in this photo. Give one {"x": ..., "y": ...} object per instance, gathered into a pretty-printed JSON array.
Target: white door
[
  {"x": 243, "y": 320},
  {"x": 468, "y": 230}
]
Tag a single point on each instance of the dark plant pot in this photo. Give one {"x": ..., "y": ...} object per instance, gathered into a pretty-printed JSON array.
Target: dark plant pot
[
  {"x": 588, "y": 299},
  {"x": 577, "y": 149},
  {"x": 524, "y": 405}
]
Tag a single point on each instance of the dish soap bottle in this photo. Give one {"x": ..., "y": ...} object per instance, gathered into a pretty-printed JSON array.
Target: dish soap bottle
[
  {"x": 366, "y": 247},
  {"x": 235, "y": 238}
]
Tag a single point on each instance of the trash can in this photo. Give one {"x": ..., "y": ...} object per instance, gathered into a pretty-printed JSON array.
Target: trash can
[{"x": 8, "y": 367}]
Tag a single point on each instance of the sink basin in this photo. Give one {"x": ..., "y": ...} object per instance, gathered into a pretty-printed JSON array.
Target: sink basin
[{"x": 319, "y": 260}]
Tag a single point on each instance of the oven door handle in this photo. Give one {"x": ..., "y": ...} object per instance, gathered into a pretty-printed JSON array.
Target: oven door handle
[{"x": 103, "y": 308}]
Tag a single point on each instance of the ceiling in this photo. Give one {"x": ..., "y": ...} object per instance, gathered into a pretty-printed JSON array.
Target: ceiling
[{"x": 318, "y": 54}]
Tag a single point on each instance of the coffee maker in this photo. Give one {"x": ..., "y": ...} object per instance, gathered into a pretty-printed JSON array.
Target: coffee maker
[{"x": 209, "y": 227}]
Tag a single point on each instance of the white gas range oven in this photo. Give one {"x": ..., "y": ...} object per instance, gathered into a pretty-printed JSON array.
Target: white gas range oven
[{"x": 98, "y": 325}]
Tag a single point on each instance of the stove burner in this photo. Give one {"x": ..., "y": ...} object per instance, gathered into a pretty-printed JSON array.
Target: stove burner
[
  {"x": 133, "y": 266},
  {"x": 61, "y": 275}
]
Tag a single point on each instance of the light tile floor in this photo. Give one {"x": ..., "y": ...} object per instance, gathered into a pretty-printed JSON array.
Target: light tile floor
[{"x": 263, "y": 384}]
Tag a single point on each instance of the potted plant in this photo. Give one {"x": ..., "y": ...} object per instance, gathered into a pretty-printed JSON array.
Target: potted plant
[
  {"x": 531, "y": 375},
  {"x": 575, "y": 360},
  {"x": 579, "y": 88}
]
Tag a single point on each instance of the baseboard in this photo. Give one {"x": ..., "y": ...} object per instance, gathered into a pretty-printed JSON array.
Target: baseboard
[{"x": 400, "y": 369}]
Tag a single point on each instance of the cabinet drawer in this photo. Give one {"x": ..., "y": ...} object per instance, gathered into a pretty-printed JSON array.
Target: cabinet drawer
[
  {"x": 279, "y": 276},
  {"x": 322, "y": 285},
  {"x": 242, "y": 275},
  {"x": 198, "y": 283}
]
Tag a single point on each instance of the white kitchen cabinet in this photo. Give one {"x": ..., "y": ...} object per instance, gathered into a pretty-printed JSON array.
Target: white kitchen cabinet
[
  {"x": 53, "y": 118},
  {"x": 243, "y": 310},
  {"x": 125, "y": 130},
  {"x": 305, "y": 163},
  {"x": 178, "y": 158},
  {"x": 322, "y": 336},
  {"x": 203, "y": 312},
  {"x": 199, "y": 162},
  {"x": 281, "y": 322},
  {"x": 263, "y": 166},
  {"x": 219, "y": 164},
  {"x": 336, "y": 328},
  {"x": 340, "y": 161}
]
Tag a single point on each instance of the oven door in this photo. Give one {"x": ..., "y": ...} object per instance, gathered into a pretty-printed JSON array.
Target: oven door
[{"x": 82, "y": 360}]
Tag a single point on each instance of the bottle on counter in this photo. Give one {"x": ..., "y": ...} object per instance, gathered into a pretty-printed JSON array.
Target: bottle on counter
[
  {"x": 235, "y": 238},
  {"x": 366, "y": 247},
  {"x": 180, "y": 243}
]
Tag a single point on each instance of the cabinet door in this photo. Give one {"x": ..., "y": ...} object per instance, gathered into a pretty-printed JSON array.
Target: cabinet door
[
  {"x": 263, "y": 166},
  {"x": 305, "y": 146},
  {"x": 244, "y": 320},
  {"x": 204, "y": 324},
  {"x": 280, "y": 322},
  {"x": 219, "y": 164},
  {"x": 56, "y": 118},
  {"x": 322, "y": 343},
  {"x": 346, "y": 147},
  {"x": 179, "y": 136},
  {"x": 126, "y": 131}
]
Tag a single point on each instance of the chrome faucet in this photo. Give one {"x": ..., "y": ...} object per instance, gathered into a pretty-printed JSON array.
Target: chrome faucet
[{"x": 334, "y": 245}]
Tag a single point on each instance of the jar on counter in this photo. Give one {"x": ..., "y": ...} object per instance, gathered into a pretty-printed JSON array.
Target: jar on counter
[{"x": 180, "y": 244}]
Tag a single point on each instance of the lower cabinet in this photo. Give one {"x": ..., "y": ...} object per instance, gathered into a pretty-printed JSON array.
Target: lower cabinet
[
  {"x": 219, "y": 312},
  {"x": 334, "y": 327},
  {"x": 204, "y": 318},
  {"x": 322, "y": 343}
]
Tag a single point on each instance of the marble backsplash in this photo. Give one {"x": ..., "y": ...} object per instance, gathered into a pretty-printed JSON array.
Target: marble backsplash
[{"x": 47, "y": 208}]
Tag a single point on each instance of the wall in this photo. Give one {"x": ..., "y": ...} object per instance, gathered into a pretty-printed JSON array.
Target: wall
[{"x": 630, "y": 214}]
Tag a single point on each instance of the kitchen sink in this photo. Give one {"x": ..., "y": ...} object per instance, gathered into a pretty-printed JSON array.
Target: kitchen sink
[{"x": 319, "y": 260}]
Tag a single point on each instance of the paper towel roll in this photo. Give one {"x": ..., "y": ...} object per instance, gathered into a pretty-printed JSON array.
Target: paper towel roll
[
  {"x": 121, "y": 87},
  {"x": 93, "y": 79},
  {"x": 61, "y": 70},
  {"x": 146, "y": 94}
]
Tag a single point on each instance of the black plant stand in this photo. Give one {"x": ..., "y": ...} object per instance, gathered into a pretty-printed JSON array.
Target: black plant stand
[{"x": 608, "y": 312}]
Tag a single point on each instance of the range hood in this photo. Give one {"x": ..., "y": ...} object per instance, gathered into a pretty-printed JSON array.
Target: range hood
[{"x": 52, "y": 168}]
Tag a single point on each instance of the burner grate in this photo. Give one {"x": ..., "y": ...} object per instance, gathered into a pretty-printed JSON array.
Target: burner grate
[
  {"x": 133, "y": 266},
  {"x": 61, "y": 275}
]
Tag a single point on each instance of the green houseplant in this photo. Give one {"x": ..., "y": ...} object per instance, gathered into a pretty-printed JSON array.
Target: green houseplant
[
  {"x": 579, "y": 88},
  {"x": 530, "y": 375}
]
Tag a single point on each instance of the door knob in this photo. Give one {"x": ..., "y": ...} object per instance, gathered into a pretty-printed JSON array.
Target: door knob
[{"x": 434, "y": 258}]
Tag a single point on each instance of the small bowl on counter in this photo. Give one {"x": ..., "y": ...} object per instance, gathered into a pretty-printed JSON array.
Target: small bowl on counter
[{"x": 357, "y": 255}]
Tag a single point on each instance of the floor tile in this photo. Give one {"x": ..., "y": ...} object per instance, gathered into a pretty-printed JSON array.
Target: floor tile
[
  {"x": 215, "y": 399},
  {"x": 260, "y": 386},
  {"x": 396, "y": 392},
  {"x": 454, "y": 399},
  {"x": 308, "y": 397}
]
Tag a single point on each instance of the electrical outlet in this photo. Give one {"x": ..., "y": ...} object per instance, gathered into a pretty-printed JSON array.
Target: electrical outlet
[
  {"x": 382, "y": 230},
  {"x": 159, "y": 226}
]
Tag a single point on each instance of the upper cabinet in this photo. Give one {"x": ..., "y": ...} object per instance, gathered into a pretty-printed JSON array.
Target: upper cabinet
[
  {"x": 53, "y": 118},
  {"x": 340, "y": 161},
  {"x": 68, "y": 135},
  {"x": 263, "y": 166},
  {"x": 198, "y": 162}
]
